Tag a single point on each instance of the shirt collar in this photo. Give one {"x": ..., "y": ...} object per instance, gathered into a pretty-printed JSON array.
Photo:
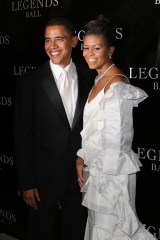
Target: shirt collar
[{"x": 56, "y": 69}]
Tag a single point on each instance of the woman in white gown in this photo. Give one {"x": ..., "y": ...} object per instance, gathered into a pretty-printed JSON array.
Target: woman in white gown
[{"x": 106, "y": 164}]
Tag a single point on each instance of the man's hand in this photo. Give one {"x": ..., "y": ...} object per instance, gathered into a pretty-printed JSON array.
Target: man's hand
[{"x": 31, "y": 197}]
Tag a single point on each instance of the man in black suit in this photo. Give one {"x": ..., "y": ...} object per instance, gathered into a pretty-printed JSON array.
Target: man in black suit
[{"x": 46, "y": 142}]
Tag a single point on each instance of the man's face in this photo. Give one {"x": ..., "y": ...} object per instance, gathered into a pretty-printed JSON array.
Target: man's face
[{"x": 58, "y": 45}]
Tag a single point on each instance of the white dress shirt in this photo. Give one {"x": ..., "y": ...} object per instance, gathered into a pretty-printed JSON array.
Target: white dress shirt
[{"x": 72, "y": 75}]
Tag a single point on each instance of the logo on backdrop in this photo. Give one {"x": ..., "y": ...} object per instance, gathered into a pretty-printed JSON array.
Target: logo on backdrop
[
  {"x": 144, "y": 73},
  {"x": 153, "y": 155},
  {"x": 5, "y": 101},
  {"x": 155, "y": 231},
  {"x": 7, "y": 216},
  {"x": 4, "y": 40},
  {"x": 156, "y": 86},
  {"x": 20, "y": 70},
  {"x": 6, "y": 160},
  {"x": 32, "y": 7}
]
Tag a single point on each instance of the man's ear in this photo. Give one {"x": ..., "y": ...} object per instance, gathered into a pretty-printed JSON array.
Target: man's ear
[{"x": 74, "y": 41}]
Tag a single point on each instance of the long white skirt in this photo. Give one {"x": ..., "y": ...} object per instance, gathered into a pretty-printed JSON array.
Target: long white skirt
[{"x": 102, "y": 226}]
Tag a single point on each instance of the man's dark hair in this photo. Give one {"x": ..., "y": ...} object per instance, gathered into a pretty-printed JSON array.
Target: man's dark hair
[{"x": 61, "y": 21}]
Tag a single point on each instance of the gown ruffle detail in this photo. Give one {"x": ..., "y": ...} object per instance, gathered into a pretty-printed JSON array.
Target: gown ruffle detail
[
  {"x": 111, "y": 164},
  {"x": 97, "y": 233}
]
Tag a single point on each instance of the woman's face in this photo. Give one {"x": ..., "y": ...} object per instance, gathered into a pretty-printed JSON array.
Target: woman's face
[{"x": 96, "y": 53}]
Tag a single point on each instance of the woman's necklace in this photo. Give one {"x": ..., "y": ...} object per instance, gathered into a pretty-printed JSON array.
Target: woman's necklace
[{"x": 98, "y": 77}]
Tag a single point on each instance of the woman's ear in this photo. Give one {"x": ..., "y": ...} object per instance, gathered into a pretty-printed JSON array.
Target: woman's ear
[{"x": 111, "y": 51}]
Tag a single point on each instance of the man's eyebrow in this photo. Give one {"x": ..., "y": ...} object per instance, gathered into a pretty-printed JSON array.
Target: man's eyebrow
[
  {"x": 59, "y": 36},
  {"x": 56, "y": 37}
]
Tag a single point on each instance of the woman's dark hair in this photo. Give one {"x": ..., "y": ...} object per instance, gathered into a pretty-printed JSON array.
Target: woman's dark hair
[
  {"x": 101, "y": 26},
  {"x": 61, "y": 21}
]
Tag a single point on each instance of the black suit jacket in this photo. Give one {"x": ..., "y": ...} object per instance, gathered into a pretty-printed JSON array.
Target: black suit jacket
[{"x": 45, "y": 145}]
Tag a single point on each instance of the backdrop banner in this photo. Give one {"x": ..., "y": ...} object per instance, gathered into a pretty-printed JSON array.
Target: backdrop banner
[{"x": 137, "y": 54}]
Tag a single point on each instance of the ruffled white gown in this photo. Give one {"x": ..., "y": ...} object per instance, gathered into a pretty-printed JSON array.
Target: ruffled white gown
[{"x": 109, "y": 192}]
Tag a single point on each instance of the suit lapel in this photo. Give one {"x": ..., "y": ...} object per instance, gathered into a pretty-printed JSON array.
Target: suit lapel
[
  {"x": 51, "y": 90},
  {"x": 82, "y": 97}
]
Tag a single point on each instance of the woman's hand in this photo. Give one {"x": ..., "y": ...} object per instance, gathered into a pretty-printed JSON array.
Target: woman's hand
[{"x": 79, "y": 166}]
